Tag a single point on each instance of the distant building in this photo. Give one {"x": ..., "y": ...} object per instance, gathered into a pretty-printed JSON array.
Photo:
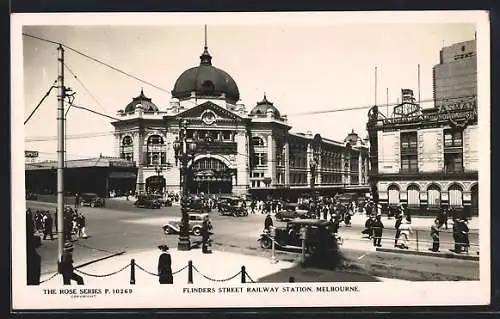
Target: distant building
[
  {"x": 238, "y": 151},
  {"x": 425, "y": 159},
  {"x": 92, "y": 175},
  {"x": 455, "y": 77}
]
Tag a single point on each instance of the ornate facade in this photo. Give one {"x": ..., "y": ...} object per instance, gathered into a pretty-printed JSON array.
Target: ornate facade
[{"x": 237, "y": 151}]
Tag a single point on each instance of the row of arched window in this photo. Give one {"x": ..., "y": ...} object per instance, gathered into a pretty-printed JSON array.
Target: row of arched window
[
  {"x": 455, "y": 195},
  {"x": 155, "y": 150}
]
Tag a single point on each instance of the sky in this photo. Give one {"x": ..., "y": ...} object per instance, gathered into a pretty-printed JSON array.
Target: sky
[{"x": 301, "y": 67}]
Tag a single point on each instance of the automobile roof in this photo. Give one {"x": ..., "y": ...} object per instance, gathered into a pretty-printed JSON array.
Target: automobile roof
[{"x": 310, "y": 222}]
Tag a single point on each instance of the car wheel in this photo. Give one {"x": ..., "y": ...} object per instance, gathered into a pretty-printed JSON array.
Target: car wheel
[
  {"x": 167, "y": 230},
  {"x": 92, "y": 204},
  {"x": 197, "y": 231},
  {"x": 266, "y": 243}
]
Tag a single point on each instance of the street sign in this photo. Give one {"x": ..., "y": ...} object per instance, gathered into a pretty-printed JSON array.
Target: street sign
[{"x": 30, "y": 154}]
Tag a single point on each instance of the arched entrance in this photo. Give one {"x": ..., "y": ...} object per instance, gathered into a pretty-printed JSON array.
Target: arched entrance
[
  {"x": 393, "y": 191},
  {"x": 210, "y": 176},
  {"x": 155, "y": 184},
  {"x": 474, "y": 203}
]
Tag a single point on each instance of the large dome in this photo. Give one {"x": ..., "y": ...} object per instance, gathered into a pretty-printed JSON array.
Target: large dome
[{"x": 207, "y": 81}]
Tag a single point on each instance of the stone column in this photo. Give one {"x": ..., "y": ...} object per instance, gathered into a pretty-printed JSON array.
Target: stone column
[
  {"x": 360, "y": 172},
  {"x": 240, "y": 182},
  {"x": 271, "y": 158},
  {"x": 286, "y": 156}
]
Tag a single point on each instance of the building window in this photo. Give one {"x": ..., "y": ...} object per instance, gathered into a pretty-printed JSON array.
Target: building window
[
  {"x": 409, "y": 158},
  {"x": 156, "y": 151},
  {"x": 433, "y": 196},
  {"x": 393, "y": 191},
  {"x": 409, "y": 140},
  {"x": 413, "y": 196},
  {"x": 226, "y": 135},
  {"x": 259, "y": 159},
  {"x": 127, "y": 148},
  {"x": 453, "y": 163},
  {"x": 452, "y": 138},
  {"x": 455, "y": 196},
  {"x": 257, "y": 141}
]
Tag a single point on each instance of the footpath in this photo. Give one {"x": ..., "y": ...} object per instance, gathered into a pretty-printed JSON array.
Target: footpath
[{"x": 216, "y": 268}]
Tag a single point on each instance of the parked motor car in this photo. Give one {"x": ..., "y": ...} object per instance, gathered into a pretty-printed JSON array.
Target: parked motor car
[
  {"x": 92, "y": 200},
  {"x": 232, "y": 206},
  {"x": 320, "y": 235},
  {"x": 147, "y": 201},
  {"x": 164, "y": 201},
  {"x": 293, "y": 210},
  {"x": 195, "y": 224}
]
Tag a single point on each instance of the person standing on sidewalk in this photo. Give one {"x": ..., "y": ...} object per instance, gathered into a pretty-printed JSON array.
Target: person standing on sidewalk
[
  {"x": 268, "y": 222},
  {"x": 378, "y": 229},
  {"x": 205, "y": 234},
  {"x": 67, "y": 269},
  {"x": 47, "y": 223},
  {"x": 435, "y": 235},
  {"x": 405, "y": 233},
  {"x": 399, "y": 220},
  {"x": 33, "y": 259},
  {"x": 82, "y": 222},
  {"x": 165, "y": 266}
]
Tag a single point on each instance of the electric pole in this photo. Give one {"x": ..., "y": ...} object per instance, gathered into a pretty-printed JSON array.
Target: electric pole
[{"x": 60, "y": 155}]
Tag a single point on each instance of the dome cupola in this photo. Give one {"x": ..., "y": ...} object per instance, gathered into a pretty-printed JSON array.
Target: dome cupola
[
  {"x": 143, "y": 101},
  {"x": 263, "y": 108}
]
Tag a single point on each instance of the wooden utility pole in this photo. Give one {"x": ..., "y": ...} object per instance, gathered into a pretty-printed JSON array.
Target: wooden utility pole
[{"x": 60, "y": 154}]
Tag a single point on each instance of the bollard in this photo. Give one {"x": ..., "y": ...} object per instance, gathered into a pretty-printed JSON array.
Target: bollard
[
  {"x": 243, "y": 274},
  {"x": 416, "y": 237},
  {"x": 132, "y": 272},
  {"x": 291, "y": 279},
  {"x": 190, "y": 272}
]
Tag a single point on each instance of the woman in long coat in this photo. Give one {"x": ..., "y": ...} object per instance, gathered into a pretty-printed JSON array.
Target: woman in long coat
[{"x": 165, "y": 266}]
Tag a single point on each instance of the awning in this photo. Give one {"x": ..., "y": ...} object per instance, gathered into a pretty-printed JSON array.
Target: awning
[{"x": 122, "y": 175}]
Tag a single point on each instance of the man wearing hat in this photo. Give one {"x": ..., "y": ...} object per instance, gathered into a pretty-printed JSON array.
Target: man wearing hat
[{"x": 67, "y": 269}]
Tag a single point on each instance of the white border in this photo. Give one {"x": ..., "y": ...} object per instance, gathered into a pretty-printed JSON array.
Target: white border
[{"x": 371, "y": 294}]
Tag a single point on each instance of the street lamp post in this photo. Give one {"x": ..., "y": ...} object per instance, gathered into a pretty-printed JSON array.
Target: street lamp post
[{"x": 183, "y": 151}]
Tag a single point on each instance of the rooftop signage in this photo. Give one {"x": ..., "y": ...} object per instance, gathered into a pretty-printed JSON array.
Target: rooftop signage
[{"x": 433, "y": 117}]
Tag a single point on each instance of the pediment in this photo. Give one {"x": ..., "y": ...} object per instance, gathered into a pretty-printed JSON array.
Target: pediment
[{"x": 210, "y": 113}]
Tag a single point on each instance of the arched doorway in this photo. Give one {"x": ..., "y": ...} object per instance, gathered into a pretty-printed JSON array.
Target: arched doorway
[
  {"x": 393, "y": 191},
  {"x": 210, "y": 176},
  {"x": 413, "y": 192},
  {"x": 155, "y": 184},
  {"x": 474, "y": 200},
  {"x": 455, "y": 194}
]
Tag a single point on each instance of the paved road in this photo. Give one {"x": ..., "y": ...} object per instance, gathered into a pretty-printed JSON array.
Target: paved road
[{"x": 134, "y": 230}]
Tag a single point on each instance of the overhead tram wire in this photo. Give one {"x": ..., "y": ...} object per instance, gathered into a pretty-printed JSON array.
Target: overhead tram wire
[
  {"x": 100, "y": 62},
  {"x": 84, "y": 87},
  {"x": 40, "y": 103}
]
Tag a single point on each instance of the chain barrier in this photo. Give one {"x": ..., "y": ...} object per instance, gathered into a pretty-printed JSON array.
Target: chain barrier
[
  {"x": 41, "y": 282},
  {"x": 106, "y": 275},
  {"x": 146, "y": 271},
  {"x": 248, "y": 276},
  {"x": 216, "y": 280},
  {"x": 180, "y": 270}
]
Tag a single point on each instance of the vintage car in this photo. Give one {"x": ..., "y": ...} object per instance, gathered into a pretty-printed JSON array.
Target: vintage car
[
  {"x": 319, "y": 235},
  {"x": 195, "y": 224},
  {"x": 147, "y": 201},
  {"x": 232, "y": 206},
  {"x": 293, "y": 210},
  {"x": 92, "y": 200},
  {"x": 164, "y": 201}
]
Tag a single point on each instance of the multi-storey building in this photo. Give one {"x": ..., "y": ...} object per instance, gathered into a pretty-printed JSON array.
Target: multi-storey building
[
  {"x": 426, "y": 159},
  {"x": 237, "y": 151}
]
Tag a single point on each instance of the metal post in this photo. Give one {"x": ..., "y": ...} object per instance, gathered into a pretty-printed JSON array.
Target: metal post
[
  {"x": 132, "y": 272},
  {"x": 184, "y": 241},
  {"x": 243, "y": 274},
  {"x": 60, "y": 156},
  {"x": 273, "y": 257},
  {"x": 416, "y": 237},
  {"x": 190, "y": 272},
  {"x": 303, "y": 236}
]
